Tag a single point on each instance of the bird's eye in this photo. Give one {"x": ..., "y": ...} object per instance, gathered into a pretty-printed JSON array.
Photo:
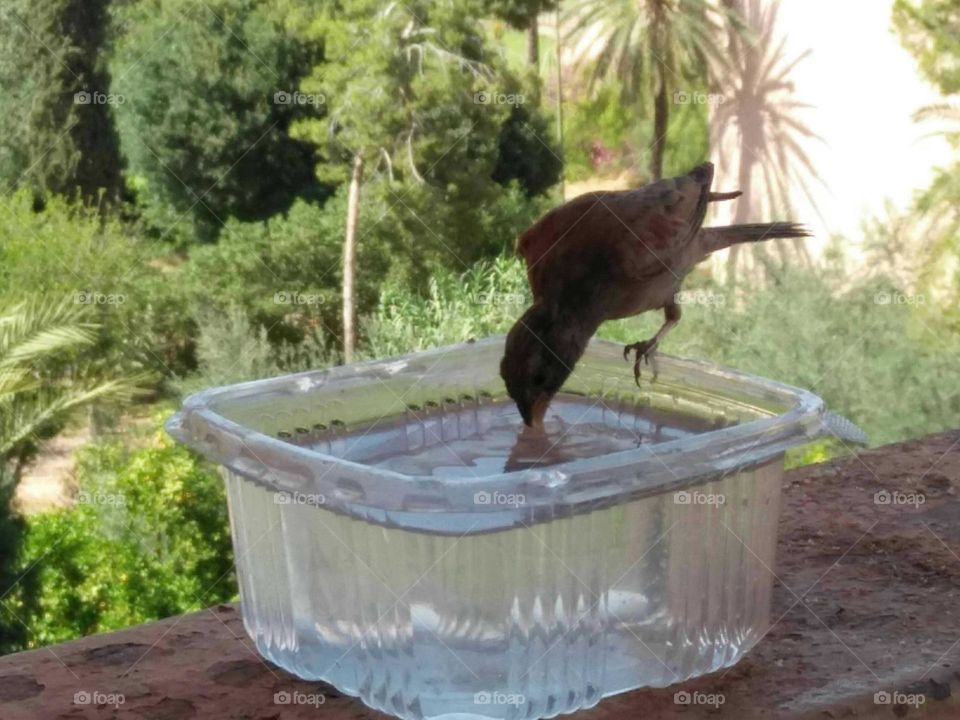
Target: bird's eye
[{"x": 539, "y": 379}]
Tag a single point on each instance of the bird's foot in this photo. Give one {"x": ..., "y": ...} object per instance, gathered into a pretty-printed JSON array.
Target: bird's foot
[{"x": 643, "y": 349}]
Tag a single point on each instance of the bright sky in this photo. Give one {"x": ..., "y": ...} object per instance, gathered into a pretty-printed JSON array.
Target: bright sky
[{"x": 865, "y": 87}]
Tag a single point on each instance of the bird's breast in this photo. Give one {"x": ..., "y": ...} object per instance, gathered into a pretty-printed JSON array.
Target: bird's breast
[{"x": 638, "y": 297}]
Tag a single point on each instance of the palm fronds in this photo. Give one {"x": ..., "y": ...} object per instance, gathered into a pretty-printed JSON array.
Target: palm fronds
[
  {"x": 43, "y": 376},
  {"x": 947, "y": 113},
  {"x": 645, "y": 42},
  {"x": 653, "y": 49}
]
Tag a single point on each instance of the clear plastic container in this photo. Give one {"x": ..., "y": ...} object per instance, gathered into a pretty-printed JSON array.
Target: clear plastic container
[{"x": 382, "y": 546}]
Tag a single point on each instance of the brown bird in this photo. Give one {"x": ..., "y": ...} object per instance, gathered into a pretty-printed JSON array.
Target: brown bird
[{"x": 609, "y": 255}]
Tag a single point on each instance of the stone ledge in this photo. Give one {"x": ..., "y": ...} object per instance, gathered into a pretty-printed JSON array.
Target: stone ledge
[{"x": 867, "y": 601}]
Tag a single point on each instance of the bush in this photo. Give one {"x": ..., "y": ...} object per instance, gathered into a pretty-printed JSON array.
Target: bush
[
  {"x": 887, "y": 366},
  {"x": 149, "y": 538},
  {"x": 284, "y": 272},
  {"x": 230, "y": 349},
  {"x": 487, "y": 300},
  {"x": 12, "y": 633}
]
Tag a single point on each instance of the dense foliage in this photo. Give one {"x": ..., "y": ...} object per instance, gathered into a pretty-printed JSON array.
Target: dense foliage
[
  {"x": 56, "y": 130},
  {"x": 205, "y": 114},
  {"x": 148, "y": 538},
  {"x": 929, "y": 30},
  {"x": 69, "y": 252}
]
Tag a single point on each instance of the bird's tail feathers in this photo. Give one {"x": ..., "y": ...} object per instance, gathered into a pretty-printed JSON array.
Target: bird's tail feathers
[{"x": 718, "y": 238}]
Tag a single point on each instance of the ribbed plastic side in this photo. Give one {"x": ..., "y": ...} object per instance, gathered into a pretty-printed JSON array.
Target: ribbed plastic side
[{"x": 523, "y": 623}]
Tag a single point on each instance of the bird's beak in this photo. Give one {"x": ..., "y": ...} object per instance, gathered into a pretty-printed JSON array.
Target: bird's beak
[{"x": 534, "y": 412}]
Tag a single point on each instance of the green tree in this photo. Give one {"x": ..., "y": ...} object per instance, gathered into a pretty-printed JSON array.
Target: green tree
[
  {"x": 56, "y": 130},
  {"x": 419, "y": 129},
  {"x": 42, "y": 381},
  {"x": 928, "y": 29},
  {"x": 525, "y": 154},
  {"x": 206, "y": 111}
]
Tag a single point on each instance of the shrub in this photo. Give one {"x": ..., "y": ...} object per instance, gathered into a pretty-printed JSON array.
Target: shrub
[
  {"x": 483, "y": 301},
  {"x": 148, "y": 538},
  {"x": 284, "y": 272},
  {"x": 231, "y": 349}
]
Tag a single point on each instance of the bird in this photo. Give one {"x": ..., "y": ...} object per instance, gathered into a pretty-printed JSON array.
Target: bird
[{"x": 610, "y": 255}]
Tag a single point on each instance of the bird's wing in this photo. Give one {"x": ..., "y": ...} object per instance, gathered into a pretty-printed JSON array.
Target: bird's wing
[{"x": 637, "y": 233}]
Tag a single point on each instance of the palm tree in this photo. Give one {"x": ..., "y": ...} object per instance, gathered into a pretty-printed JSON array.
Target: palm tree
[
  {"x": 757, "y": 127},
  {"x": 42, "y": 377},
  {"x": 651, "y": 47}
]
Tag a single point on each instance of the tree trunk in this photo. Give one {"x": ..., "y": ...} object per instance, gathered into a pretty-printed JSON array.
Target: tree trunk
[
  {"x": 533, "y": 41},
  {"x": 661, "y": 115},
  {"x": 350, "y": 260}
]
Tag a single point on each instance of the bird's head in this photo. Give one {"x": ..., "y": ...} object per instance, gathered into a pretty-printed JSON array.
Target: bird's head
[{"x": 541, "y": 350}]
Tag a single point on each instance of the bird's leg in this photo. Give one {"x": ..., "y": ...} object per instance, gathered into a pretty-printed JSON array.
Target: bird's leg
[{"x": 644, "y": 349}]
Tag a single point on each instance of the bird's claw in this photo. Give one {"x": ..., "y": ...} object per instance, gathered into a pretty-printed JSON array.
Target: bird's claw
[{"x": 643, "y": 349}]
